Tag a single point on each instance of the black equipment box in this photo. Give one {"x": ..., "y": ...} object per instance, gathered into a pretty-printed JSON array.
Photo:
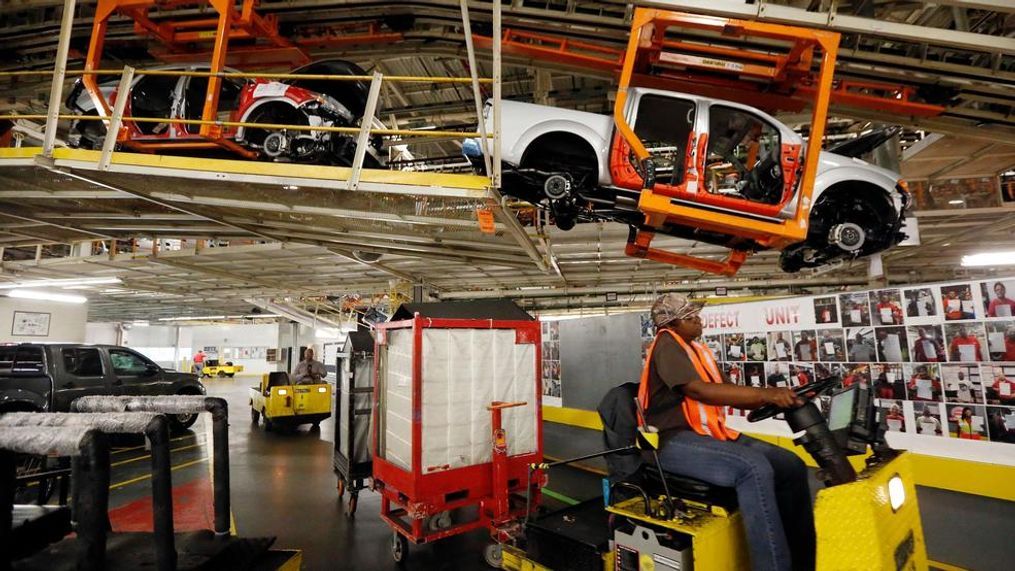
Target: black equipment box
[{"x": 573, "y": 538}]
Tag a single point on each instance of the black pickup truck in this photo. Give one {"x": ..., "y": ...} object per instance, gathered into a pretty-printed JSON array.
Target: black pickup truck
[{"x": 47, "y": 377}]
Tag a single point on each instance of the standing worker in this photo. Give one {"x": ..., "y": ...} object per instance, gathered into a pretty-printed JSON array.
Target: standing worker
[
  {"x": 199, "y": 363},
  {"x": 309, "y": 371},
  {"x": 684, "y": 396}
]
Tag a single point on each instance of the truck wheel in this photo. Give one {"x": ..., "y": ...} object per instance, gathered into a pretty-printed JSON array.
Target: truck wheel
[
  {"x": 255, "y": 417},
  {"x": 231, "y": 375},
  {"x": 399, "y": 548},
  {"x": 180, "y": 422}
]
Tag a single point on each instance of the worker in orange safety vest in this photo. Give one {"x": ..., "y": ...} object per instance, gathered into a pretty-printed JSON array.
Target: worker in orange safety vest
[{"x": 684, "y": 396}]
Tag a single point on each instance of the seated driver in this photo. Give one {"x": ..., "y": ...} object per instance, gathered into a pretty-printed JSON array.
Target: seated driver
[
  {"x": 309, "y": 371},
  {"x": 685, "y": 396}
]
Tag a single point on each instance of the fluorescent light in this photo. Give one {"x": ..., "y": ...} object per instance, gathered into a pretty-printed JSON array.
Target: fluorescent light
[
  {"x": 989, "y": 259},
  {"x": 956, "y": 202},
  {"x": 220, "y": 317},
  {"x": 46, "y": 296},
  {"x": 61, "y": 282}
]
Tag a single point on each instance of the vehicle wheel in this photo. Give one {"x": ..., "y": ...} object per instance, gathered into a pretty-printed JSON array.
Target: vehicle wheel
[
  {"x": 274, "y": 144},
  {"x": 179, "y": 422},
  {"x": 399, "y": 547},
  {"x": 493, "y": 554},
  {"x": 221, "y": 374},
  {"x": 353, "y": 502},
  {"x": 231, "y": 375},
  {"x": 341, "y": 488},
  {"x": 255, "y": 417},
  {"x": 269, "y": 426},
  {"x": 315, "y": 426}
]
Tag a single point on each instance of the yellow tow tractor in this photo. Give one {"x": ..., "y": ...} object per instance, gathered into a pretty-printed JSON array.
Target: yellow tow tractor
[
  {"x": 213, "y": 368},
  {"x": 868, "y": 520},
  {"x": 283, "y": 404}
]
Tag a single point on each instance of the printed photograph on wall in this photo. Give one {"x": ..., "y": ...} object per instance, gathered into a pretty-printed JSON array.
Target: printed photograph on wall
[
  {"x": 999, "y": 383},
  {"x": 923, "y": 382},
  {"x": 779, "y": 346},
  {"x": 967, "y": 422},
  {"x": 1001, "y": 340},
  {"x": 920, "y": 302},
  {"x": 756, "y": 345},
  {"x": 551, "y": 363},
  {"x": 957, "y": 302},
  {"x": 892, "y": 344},
  {"x": 926, "y": 344},
  {"x": 733, "y": 347},
  {"x": 826, "y": 310},
  {"x": 831, "y": 345},
  {"x": 889, "y": 380},
  {"x": 886, "y": 307},
  {"x": 714, "y": 343},
  {"x": 891, "y": 411},
  {"x": 855, "y": 309},
  {"x": 800, "y": 374},
  {"x": 997, "y": 298},
  {"x": 825, "y": 370},
  {"x": 856, "y": 373},
  {"x": 777, "y": 375},
  {"x": 962, "y": 383},
  {"x": 734, "y": 372},
  {"x": 928, "y": 418},
  {"x": 861, "y": 345},
  {"x": 1001, "y": 424},
  {"x": 754, "y": 374},
  {"x": 966, "y": 342},
  {"x": 805, "y": 345}
]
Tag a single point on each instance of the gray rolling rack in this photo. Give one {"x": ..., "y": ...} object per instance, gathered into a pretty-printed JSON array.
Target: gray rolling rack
[{"x": 354, "y": 396}]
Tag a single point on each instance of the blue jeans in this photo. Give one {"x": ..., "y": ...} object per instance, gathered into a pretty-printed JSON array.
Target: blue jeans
[{"x": 772, "y": 490}]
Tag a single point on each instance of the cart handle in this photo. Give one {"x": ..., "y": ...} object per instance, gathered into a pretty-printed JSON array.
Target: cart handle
[{"x": 498, "y": 405}]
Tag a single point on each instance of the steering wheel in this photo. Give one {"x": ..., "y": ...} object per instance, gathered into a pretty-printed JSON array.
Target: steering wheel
[
  {"x": 764, "y": 182},
  {"x": 806, "y": 392}
]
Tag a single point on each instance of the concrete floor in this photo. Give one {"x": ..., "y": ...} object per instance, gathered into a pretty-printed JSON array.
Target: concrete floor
[{"x": 283, "y": 485}]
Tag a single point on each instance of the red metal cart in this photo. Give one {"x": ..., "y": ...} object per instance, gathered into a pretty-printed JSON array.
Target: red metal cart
[{"x": 458, "y": 423}]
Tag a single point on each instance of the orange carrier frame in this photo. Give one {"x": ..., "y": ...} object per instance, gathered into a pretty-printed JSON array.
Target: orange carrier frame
[{"x": 752, "y": 73}]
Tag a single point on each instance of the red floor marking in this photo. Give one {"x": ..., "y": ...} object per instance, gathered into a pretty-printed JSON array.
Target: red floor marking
[{"x": 193, "y": 509}]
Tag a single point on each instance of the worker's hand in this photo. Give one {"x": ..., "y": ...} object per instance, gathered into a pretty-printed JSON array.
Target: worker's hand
[{"x": 781, "y": 397}]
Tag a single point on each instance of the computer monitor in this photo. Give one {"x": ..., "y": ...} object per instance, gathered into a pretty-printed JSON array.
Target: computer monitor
[{"x": 852, "y": 418}]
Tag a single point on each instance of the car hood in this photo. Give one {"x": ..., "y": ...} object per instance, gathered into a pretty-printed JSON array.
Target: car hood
[{"x": 828, "y": 161}]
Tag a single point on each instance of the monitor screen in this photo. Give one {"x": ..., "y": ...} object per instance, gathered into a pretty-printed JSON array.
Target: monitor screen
[{"x": 840, "y": 413}]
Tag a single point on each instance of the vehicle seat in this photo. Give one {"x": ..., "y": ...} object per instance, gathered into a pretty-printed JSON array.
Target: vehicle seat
[
  {"x": 620, "y": 426},
  {"x": 278, "y": 379}
]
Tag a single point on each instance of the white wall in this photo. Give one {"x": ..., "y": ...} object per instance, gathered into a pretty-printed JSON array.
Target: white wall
[
  {"x": 66, "y": 320},
  {"x": 157, "y": 342},
  {"x": 102, "y": 333},
  {"x": 222, "y": 336}
]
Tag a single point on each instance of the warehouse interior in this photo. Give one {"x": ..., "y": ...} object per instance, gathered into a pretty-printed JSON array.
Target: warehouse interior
[{"x": 356, "y": 285}]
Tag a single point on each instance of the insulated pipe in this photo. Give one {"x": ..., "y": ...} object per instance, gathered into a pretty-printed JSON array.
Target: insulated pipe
[{"x": 91, "y": 500}]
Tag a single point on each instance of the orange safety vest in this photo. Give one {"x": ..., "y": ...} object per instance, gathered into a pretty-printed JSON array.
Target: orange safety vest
[{"x": 705, "y": 419}]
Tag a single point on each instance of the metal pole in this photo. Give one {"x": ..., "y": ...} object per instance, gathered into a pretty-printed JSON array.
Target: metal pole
[
  {"x": 364, "y": 130},
  {"x": 474, "y": 72},
  {"x": 59, "y": 70},
  {"x": 220, "y": 468},
  {"x": 496, "y": 92},
  {"x": 113, "y": 129},
  {"x": 162, "y": 495}
]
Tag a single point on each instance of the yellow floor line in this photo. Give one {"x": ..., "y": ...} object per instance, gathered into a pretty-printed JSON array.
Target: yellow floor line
[
  {"x": 944, "y": 566},
  {"x": 122, "y": 462},
  {"x": 149, "y": 476},
  {"x": 122, "y": 450}
]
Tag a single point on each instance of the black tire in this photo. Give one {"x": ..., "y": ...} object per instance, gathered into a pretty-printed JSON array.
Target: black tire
[
  {"x": 181, "y": 422},
  {"x": 230, "y": 375},
  {"x": 350, "y": 509},
  {"x": 255, "y": 416},
  {"x": 399, "y": 548},
  {"x": 315, "y": 426},
  {"x": 222, "y": 374}
]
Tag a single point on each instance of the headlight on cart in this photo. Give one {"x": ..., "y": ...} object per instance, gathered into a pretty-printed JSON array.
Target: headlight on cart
[
  {"x": 322, "y": 389},
  {"x": 282, "y": 392},
  {"x": 896, "y": 492}
]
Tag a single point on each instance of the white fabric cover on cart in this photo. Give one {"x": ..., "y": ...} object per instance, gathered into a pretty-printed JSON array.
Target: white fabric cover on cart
[{"x": 397, "y": 405}]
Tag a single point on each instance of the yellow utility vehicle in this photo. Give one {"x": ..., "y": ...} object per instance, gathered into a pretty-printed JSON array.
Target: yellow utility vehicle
[
  {"x": 868, "y": 520},
  {"x": 214, "y": 368},
  {"x": 283, "y": 404}
]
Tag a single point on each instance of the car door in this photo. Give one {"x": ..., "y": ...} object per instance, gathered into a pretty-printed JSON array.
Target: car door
[
  {"x": 80, "y": 372},
  {"x": 154, "y": 96},
  {"x": 666, "y": 125},
  {"x": 135, "y": 374}
]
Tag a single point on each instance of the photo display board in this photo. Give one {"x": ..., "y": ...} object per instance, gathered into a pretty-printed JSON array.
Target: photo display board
[{"x": 940, "y": 357}]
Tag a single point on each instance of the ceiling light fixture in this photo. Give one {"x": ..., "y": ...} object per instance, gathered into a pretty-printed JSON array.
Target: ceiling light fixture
[
  {"x": 989, "y": 259},
  {"x": 60, "y": 282},
  {"x": 956, "y": 201},
  {"x": 46, "y": 296}
]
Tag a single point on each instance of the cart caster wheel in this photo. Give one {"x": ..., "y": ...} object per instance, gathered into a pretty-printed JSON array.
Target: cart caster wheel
[
  {"x": 341, "y": 488},
  {"x": 399, "y": 547},
  {"x": 353, "y": 502},
  {"x": 255, "y": 416},
  {"x": 493, "y": 554},
  {"x": 315, "y": 426},
  {"x": 268, "y": 424}
]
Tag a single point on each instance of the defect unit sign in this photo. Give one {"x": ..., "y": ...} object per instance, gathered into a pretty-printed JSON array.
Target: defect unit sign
[{"x": 775, "y": 315}]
